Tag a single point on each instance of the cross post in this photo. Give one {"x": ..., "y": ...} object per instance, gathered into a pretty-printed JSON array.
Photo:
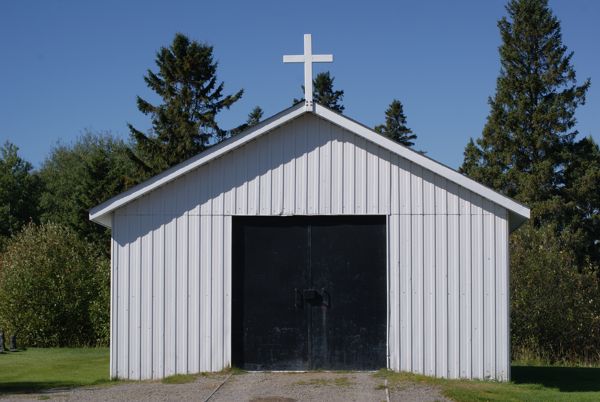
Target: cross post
[{"x": 308, "y": 59}]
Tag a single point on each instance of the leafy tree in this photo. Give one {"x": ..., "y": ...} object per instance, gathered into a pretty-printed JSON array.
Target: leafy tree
[
  {"x": 395, "y": 125},
  {"x": 184, "y": 124},
  {"x": 80, "y": 176},
  {"x": 554, "y": 299},
  {"x": 324, "y": 94},
  {"x": 53, "y": 288},
  {"x": 19, "y": 191}
]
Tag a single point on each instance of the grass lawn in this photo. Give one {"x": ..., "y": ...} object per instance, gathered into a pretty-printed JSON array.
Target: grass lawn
[
  {"x": 36, "y": 369},
  {"x": 529, "y": 383}
]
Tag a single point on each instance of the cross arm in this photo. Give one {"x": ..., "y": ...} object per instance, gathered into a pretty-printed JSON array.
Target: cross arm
[
  {"x": 322, "y": 58},
  {"x": 297, "y": 58}
]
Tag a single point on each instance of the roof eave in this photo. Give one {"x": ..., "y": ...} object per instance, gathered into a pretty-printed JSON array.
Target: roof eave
[
  {"x": 518, "y": 213},
  {"x": 511, "y": 205},
  {"x": 100, "y": 212}
]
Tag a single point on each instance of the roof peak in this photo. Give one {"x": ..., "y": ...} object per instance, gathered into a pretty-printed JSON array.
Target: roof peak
[{"x": 103, "y": 212}]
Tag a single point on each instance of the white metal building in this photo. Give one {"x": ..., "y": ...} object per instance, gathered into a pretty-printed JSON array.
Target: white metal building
[
  {"x": 447, "y": 246},
  {"x": 177, "y": 288}
]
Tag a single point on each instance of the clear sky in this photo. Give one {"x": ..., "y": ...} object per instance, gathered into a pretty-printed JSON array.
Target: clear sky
[{"x": 68, "y": 66}]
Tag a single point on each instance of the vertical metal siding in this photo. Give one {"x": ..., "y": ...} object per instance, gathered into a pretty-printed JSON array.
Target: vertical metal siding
[{"x": 447, "y": 254}]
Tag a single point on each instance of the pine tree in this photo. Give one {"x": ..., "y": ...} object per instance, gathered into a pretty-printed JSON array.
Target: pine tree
[
  {"x": 324, "y": 94},
  {"x": 253, "y": 119},
  {"x": 528, "y": 149},
  {"x": 529, "y": 131},
  {"x": 395, "y": 125},
  {"x": 184, "y": 124},
  {"x": 580, "y": 211}
]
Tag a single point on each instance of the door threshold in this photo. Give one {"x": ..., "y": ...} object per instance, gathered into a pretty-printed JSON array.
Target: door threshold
[{"x": 311, "y": 371}]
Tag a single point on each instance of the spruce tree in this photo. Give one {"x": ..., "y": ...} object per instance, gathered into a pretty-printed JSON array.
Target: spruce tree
[
  {"x": 580, "y": 212},
  {"x": 253, "y": 119},
  {"x": 184, "y": 124},
  {"x": 395, "y": 125},
  {"x": 525, "y": 145},
  {"x": 324, "y": 94}
]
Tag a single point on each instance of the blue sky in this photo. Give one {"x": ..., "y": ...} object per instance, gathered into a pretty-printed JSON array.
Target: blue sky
[{"x": 68, "y": 66}]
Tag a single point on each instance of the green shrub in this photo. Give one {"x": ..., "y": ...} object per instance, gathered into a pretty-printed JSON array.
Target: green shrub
[
  {"x": 555, "y": 303},
  {"x": 53, "y": 288},
  {"x": 100, "y": 305}
]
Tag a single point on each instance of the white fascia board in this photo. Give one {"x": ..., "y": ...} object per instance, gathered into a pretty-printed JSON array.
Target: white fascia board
[
  {"x": 422, "y": 160},
  {"x": 101, "y": 213}
]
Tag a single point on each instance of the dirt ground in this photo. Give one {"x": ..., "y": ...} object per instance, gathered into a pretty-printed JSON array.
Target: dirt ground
[{"x": 252, "y": 387}]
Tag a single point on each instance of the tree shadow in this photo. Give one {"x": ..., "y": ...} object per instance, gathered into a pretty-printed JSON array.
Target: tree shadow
[
  {"x": 28, "y": 387},
  {"x": 46, "y": 387},
  {"x": 566, "y": 379}
]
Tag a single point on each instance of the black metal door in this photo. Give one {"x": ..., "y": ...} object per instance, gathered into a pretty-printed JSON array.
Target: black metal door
[
  {"x": 309, "y": 293},
  {"x": 269, "y": 261}
]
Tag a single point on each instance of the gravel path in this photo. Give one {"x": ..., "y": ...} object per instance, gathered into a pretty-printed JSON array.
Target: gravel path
[{"x": 251, "y": 387}]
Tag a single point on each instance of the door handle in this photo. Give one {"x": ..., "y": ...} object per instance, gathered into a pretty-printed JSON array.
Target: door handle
[
  {"x": 311, "y": 296},
  {"x": 316, "y": 298},
  {"x": 326, "y": 298},
  {"x": 298, "y": 299}
]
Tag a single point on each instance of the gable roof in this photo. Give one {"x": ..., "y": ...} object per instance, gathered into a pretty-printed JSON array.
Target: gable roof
[{"x": 102, "y": 213}]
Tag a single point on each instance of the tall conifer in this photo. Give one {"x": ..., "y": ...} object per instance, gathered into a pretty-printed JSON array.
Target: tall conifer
[
  {"x": 324, "y": 94},
  {"x": 184, "y": 124},
  {"x": 528, "y": 149},
  {"x": 525, "y": 145},
  {"x": 395, "y": 125}
]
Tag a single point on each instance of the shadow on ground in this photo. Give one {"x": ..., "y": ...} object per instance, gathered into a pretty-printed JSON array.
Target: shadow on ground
[
  {"x": 28, "y": 387},
  {"x": 566, "y": 379}
]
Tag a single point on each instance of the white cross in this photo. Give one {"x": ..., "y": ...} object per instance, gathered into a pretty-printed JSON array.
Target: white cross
[{"x": 308, "y": 59}]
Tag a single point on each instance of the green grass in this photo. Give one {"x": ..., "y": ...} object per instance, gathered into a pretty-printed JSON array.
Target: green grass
[
  {"x": 529, "y": 383},
  {"x": 317, "y": 382},
  {"x": 179, "y": 379},
  {"x": 186, "y": 378},
  {"x": 37, "y": 369}
]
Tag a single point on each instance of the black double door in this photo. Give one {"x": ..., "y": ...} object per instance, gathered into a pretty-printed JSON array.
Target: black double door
[{"x": 309, "y": 293}]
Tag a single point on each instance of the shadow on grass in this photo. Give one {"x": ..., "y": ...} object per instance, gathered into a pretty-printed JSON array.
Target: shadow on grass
[
  {"x": 28, "y": 387},
  {"x": 566, "y": 379}
]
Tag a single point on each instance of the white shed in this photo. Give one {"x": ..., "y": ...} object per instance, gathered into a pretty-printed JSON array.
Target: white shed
[{"x": 361, "y": 254}]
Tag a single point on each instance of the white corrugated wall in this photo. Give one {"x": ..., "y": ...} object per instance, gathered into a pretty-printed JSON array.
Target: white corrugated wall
[{"x": 448, "y": 254}]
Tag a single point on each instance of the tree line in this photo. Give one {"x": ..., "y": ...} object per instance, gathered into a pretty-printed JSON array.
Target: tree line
[{"x": 529, "y": 150}]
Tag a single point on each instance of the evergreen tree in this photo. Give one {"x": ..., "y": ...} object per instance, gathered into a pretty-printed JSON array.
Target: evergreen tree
[
  {"x": 184, "y": 124},
  {"x": 529, "y": 151},
  {"x": 254, "y": 116},
  {"x": 19, "y": 192},
  {"x": 395, "y": 125},
  {"x": 324, "y": 94},
  {"x": 580, "y": 212},
  {"x": 253, "y": 119},
  {"x": 529, "y": 136}
]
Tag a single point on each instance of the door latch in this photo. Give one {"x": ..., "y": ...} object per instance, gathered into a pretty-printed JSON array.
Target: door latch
[{"x": 298, "y": 299}]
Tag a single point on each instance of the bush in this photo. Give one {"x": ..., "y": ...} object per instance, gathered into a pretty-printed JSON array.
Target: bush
[
  {"x": 555, "y": 304},
  {"x": 53, "y": 288},
  {"x": 100, "y": 305}
]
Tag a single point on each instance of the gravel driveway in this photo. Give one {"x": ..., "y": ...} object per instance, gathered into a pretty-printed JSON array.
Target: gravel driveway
[{"x": 253, "y": 387}]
